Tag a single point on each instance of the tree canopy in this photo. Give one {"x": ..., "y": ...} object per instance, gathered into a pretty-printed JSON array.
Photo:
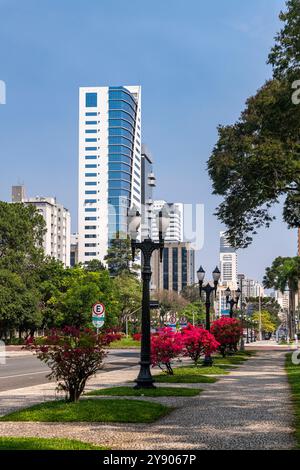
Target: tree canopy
[{"x": 256, "y": 161}]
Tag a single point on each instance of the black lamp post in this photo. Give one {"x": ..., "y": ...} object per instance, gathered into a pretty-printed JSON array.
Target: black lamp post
[
  {"x": 208, "y": 289},
  {"x": 147, "y": 247},
  {"x": 251, "y": 330},
  {"x": 232, "y": 299}
]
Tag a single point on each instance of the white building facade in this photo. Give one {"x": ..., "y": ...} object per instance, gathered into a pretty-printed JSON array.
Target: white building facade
[
  {"x": 109, "y": 165},
  {"x": 57, "y": 238},
  {"x": 175, "y": 229},
  {"x": 228, "y": 263}
]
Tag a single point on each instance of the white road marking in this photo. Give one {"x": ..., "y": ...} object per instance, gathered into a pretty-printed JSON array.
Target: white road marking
[{"x": 22, "y": 375}]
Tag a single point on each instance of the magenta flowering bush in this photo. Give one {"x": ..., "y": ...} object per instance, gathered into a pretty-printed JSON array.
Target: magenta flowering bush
[
  {"x": 166, "y": 345},
  {"x": 73, "y": 355}
]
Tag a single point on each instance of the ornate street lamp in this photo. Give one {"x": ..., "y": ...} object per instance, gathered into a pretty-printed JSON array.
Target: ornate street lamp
[
  {"x": 232, "y": 299},
  {"x": 208, "y": 289},
  {"x": 147, "y": 247}
]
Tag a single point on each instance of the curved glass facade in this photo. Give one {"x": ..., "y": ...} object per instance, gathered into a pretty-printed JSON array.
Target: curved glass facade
[{"x": 121, "y": 130}]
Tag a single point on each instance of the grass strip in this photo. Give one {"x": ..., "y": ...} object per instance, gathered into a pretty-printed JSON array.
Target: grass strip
[
  {"x": 152, "y": 392},
  {"x": 34, "y": 443},
  {"x": 103, "y": 411}
]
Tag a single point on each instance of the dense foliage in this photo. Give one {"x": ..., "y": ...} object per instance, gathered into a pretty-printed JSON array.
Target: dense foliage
[
  {"x": 267, "y": 324},
  {"x": 37, "y": 292},
  {"x": 256, "y": 161},
  {"x": 284, "y": 274},
  {"x": 166, "y": 345},
  {"x": 198, "y": 342},
  {"x": 228, "y": 332},
  {"x": 73, "y": 355}
]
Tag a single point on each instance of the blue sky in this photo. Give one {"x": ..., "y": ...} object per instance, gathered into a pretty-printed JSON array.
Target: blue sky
[{"x": 197, "y": 62}]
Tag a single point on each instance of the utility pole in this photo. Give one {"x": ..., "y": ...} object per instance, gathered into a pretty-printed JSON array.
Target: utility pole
[
  {"x": 242, "y": 346},
  {"x": 259, "y": 309}
]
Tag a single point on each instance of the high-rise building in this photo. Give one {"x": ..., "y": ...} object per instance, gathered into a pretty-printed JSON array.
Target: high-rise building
[
  {"x": 147, "y": 184},
  {"x": 57, "y": 238},
  {"x": 250, "y": 287},
  {"x": 283, "y": 299},
  {"x": 228, "y": 263},
  {"x": 175, "y": 211},
  {"x": 177, "y": 269},
  {"x": 74, "y": 249},
  {"x": 109, "y": 165},
  {"x": 18, "y": 193}
]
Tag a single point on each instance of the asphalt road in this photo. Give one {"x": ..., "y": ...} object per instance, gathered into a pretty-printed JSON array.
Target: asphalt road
[{"x": 24, "y": 371}]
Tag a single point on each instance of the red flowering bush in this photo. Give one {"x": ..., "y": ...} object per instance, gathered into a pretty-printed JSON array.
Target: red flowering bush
[
  {"x": 110, "y": 335},
  {"x": 228, "y": 332},
  {"x": 137, "y": 337},
  {"x": 198, "y": 342},
  {"x": 165, "y": 346},
  {"x": 73, "y": 355}
]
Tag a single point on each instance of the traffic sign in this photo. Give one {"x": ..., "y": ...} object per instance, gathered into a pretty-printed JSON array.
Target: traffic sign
[
  {"x": 98, "y": 322},
  {"x": 98, "y": 309},
  {"x": 98, "y": 315}
]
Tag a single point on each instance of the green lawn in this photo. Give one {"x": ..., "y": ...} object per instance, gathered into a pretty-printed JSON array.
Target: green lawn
[
  {"x": 189, "y": 375},
  {"x": 230, "y": 360},
  {"x": 152, "y": 392},
  {"x": 125, "y": 343},
  {"x": 105, "y": 411},
  {"x": 34, "y": 443},
  {"x": 293, "y": 372}
]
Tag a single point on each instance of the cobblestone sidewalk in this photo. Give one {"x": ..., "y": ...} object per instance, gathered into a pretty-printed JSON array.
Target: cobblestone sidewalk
[{"x": 248, "y": 409}]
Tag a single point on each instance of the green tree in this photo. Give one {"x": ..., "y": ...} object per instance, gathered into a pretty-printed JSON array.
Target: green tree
[
  {"x": 129, "y": 296},
  {"x": 194, "y": 312},
  {"x": 21, "y": 235},
  {"x": 285, "y": 55},
  {"x": 52, "y": 280},
  {"x": 19, "y": 305},
  {"x": 170, "y": 303},
  {"x": 191, "y": 293},
  {"x": 119, "y": 257},
  {"x": 268, "y": 304},
  {"x": 73, "y": 304},
  {"x": 256, "y": 161},
  {"x": 21, "y": 255},
  {"x": 282, "y": 275},
  {"x": 268, "y": 325},
  {"x": 94, "y": 266}
]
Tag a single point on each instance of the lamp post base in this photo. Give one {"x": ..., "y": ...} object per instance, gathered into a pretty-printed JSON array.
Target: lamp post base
[
  {"x": 144, "y": 379},
  {"x": 208, "y": 362},
  {"x": 144, "y": 384}
]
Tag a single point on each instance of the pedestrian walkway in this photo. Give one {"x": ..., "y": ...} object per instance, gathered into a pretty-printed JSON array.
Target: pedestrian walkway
[{"x": 248, "y": 409}]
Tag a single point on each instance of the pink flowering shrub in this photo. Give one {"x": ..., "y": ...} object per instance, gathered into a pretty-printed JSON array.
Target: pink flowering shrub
[
  {"x": 73, "y": 355},
  {"x": 137, "y": 336},
  {"x": 228, "y": 332},
  {"x": 166, "y": 345},
  {"x": 198, "y": 342}
]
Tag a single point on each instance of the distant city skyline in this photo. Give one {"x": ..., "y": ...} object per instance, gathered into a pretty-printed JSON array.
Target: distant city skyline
[{"x": 196, "y": 66}]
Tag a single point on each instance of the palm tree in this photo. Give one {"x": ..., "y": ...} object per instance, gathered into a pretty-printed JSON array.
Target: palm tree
[{"x": 284, "y": 274}]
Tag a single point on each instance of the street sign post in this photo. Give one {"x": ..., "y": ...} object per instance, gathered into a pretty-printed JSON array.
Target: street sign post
[
  {"x": 98, "y": 315},
  {"x": 183, "y": 322}
]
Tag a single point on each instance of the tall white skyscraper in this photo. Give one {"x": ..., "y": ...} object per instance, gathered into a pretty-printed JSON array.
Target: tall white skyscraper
[
  {"x": 175, "y": 211},
  {"x": 109, "y": 165},
  {"x": 228, "y": 263}
]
